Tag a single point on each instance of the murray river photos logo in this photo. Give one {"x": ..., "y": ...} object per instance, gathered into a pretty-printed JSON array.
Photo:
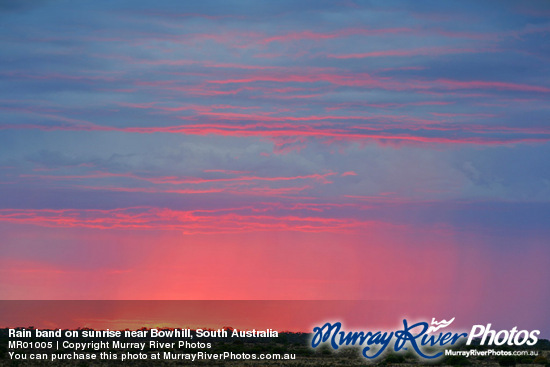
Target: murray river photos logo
[{"x": 426, "y": 340}]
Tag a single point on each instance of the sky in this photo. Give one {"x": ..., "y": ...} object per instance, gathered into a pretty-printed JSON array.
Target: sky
[{"x": 253, "y": 150}]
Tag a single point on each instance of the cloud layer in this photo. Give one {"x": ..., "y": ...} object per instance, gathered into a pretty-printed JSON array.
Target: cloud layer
[{"x": 319, "y": 144}]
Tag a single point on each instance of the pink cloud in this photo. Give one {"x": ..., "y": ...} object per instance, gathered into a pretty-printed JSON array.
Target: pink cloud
[
  {"x": 480, "y": 84},
  {"x": 281, "y": 133},
  {"x": 349, "y": 173},
  {"x": 188, "y": 222},
  {"x": 317, "y": 36},
  {"x": 366, "y": 80},
  {"x": 427, "y": 51},
  {"x": 174, "y": 180}
]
